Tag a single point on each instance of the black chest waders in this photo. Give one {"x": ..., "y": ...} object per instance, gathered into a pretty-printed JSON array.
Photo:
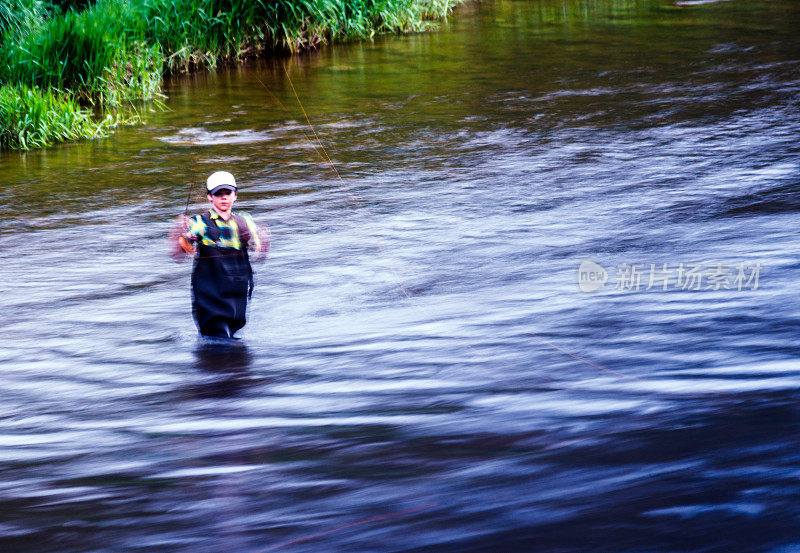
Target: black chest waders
[{"x": 222, "y": 282}]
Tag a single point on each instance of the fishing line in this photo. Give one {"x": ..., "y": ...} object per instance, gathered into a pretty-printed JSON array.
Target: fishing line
[
  {"x": 398, "y": 283},
  {"x": 313, "y": 145},
  {"x": 583, "y": 360},
  {"x": 354, "y": 197}
]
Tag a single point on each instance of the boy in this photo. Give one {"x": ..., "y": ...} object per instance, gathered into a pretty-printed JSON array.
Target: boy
[{"x": 222, "y": 278}]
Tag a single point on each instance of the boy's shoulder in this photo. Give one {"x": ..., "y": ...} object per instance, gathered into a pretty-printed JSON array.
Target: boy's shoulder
[{"x": 243, "y": 215}]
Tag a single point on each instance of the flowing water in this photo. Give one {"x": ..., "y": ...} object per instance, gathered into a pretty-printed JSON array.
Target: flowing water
[{"x": 423, "y": 368}]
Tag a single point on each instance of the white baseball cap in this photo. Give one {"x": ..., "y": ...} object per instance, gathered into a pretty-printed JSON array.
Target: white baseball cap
[{"x": 221, "y": 180}]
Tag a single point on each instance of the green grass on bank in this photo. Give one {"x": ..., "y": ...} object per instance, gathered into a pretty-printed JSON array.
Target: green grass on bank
[
  {"x": 30, "y": 118},
  {"x": 60, "y": 57}
]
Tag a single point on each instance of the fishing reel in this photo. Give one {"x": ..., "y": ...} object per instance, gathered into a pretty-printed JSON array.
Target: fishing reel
[{"x": 188, "y": 247}]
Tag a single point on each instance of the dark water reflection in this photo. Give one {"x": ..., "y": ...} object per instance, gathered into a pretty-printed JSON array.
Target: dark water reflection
[
  {"x": 227, "y": 365},
  {"x": 498, "y": 407}
]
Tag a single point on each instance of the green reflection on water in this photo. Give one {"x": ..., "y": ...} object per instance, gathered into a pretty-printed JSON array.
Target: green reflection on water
[{"x": 530, "y": 66}]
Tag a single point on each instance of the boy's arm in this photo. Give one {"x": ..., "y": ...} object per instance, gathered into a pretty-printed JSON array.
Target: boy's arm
[
  {"x": 259, "y": 235},
  {"x": 263, "y": 235},
  {"x": 184, "y": 233}
]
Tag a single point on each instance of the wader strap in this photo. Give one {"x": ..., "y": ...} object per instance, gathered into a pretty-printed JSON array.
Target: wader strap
[
  {"x": 212, "y": 230},
  {"x": 244, "y": 231},
  {"x": 244, "y": 237},
  {"x": 251, "y": 283}
]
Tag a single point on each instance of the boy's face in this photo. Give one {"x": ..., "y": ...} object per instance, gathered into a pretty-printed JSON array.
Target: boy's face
[{"x": 222, "y": 200}]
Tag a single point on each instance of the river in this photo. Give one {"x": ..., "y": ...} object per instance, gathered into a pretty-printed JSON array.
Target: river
[{"x": 425, "y": 368}]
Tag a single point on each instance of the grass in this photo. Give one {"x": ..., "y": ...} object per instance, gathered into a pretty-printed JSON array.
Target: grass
[
  {"x": 30, "y": 118},
  {"x": 61, "y": 56},
  {"x": 18, "y": 16},
  {"x": 85, "y": 53}
]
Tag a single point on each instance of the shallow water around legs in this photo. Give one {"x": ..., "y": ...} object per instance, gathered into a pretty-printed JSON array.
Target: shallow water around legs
[{"x": 424, "y": 367}]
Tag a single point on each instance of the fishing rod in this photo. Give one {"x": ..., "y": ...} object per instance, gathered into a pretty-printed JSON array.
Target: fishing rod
[
  {"x": 185, "y": 245},
  {"x": 189, "y": 196}
]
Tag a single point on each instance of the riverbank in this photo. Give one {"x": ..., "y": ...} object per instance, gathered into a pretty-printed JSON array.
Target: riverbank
[{"x": 70, "y": 74}]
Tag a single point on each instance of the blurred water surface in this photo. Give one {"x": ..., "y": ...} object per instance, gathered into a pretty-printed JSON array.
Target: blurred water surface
[{"x": 421, "y": 371}]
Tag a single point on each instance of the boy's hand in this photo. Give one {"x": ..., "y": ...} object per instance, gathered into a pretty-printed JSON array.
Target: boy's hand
[
  {"x": 260, "y": 253},
  {"x": 179, "y": 239},
  {"x": 264, "y": 236},
  {"x": 182, "y": 221}
]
